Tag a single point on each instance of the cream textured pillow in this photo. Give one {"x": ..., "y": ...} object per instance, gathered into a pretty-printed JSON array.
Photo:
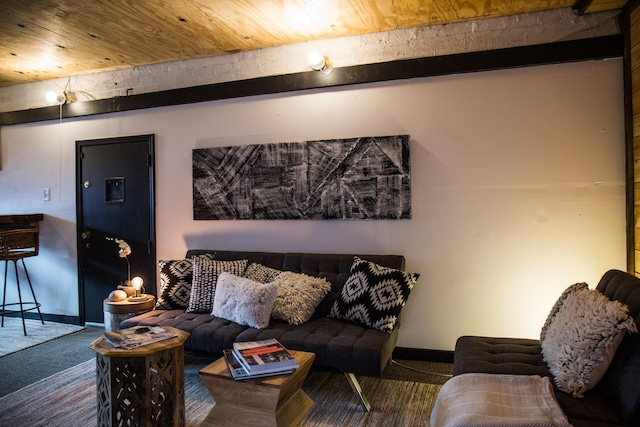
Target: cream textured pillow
[
  {"x": 558, "y": 304},
  {"x": 244, "y": 301},
  {"x": 298, "y": 296},
  {"x": 582, "y": 339}
]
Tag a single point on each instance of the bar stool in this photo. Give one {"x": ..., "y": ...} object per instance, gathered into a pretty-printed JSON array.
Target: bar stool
[{"x": 17, "y": 245}]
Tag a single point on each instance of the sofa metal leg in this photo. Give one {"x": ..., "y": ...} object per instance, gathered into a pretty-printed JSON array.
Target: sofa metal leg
[{"x": 355, "y": 386}]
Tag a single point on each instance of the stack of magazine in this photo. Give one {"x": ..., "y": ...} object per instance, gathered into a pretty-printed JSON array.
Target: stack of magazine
[
  {"x": 256, "y": 359},
  {"x": 137, "y": 336}
]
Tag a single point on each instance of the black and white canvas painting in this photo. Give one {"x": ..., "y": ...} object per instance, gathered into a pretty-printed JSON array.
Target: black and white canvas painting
[{"x": 357, "y": 178}]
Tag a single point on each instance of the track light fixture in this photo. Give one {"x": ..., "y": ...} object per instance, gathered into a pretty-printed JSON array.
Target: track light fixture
[
  {"x": 54, "y": 97},
  {"x": 320, "y": 63}
]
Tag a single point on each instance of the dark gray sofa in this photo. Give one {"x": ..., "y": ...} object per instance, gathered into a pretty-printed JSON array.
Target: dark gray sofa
[
  {"x": 615, "y": 401},
  {"x": 348, "y": 347}
]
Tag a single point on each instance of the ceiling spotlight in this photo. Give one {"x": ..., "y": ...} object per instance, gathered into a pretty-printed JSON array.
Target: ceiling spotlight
[
  {"x": 53, "y": 97},
  {"x": 320, "y": 63}
]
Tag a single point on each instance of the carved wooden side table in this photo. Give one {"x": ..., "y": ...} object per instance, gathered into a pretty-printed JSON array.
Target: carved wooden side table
[{"x": 143, "y": 386}]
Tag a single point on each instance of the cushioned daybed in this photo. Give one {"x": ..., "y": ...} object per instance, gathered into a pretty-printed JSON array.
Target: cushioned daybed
[
  {"x": 352, "y": 328},
  {"x": 575, "y": 348}
]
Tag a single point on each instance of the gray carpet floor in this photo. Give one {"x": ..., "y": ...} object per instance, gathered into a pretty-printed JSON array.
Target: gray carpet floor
[{"x": 33, "y": 364}]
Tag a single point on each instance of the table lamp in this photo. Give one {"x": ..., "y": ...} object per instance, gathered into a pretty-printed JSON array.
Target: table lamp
[{"x": 137, "y": 283}]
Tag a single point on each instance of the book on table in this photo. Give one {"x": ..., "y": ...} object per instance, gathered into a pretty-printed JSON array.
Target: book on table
[
  {"x": 264, "y": 356},
  {"x": 137, "y": 336},
  {"x": 239, "y": 373}
]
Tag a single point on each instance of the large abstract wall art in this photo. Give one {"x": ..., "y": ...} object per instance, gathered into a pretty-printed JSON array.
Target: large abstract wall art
[{"x": 357, "y": 178}]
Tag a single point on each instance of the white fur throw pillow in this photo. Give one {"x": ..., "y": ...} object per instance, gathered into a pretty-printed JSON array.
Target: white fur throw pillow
[
  {"x": 298, "y": 296},
  {"x": 582, "y": 339},
  {"x": 244, "y": 301}
]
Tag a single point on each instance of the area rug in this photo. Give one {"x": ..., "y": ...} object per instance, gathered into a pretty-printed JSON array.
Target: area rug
[
  {"x": 69, "y": 399},
  {"x": 12, "y": 336}
]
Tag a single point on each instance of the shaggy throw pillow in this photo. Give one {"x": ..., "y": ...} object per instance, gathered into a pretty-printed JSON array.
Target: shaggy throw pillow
[
  {"x": 373, "y": 295},
  {"x": 298, "y": 297},
  {"x": 558, "y": 304},
  {"x": 244, "y": 301},
  {"x": 175, "y": 283},
  {"x": 582, "y": 339},
  {"x": 205, "y": 276},
  {"x": 260, "y": 273}
]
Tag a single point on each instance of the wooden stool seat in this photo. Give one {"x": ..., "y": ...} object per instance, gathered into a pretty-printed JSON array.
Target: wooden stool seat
[{"x": 17, "y": 245}]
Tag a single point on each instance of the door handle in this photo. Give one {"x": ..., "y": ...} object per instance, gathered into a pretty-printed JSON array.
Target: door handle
[{"x": 86, "y": 235}]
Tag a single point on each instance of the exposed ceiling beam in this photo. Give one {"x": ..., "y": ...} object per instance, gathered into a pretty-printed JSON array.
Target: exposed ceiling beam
[{"x": 568, "y": 51}]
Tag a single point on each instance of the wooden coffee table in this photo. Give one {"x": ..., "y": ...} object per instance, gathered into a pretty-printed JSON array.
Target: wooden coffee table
[{"x": 269, "y": 401}]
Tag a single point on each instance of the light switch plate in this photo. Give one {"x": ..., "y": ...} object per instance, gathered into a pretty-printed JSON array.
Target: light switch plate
[{"x": 46, "y": 194}]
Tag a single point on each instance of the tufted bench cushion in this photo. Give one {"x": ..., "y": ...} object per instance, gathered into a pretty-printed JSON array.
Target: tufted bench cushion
[{"x": 498, "y": 356}]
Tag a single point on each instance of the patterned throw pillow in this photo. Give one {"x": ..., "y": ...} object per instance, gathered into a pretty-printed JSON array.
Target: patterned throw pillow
[
  {"x": 298, "y": 296},
  {"x": 260, "y": 273},
  {"x": 205, "y": 277},
  {"x": 583, "y": 338},
  {"x": 373, "y": 295},
  {"x": 175, "y": 283}
]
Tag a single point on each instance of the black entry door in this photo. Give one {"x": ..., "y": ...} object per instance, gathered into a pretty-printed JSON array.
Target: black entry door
[{"x": 115, "y": 199}]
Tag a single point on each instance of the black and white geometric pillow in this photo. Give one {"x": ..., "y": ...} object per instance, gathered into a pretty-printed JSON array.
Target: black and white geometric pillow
[
  {"x": 373, "y": 295},
  {"x": 175, "y": 283},
  {"x": 261, "y": 273},
  {"x": 205, "y": 277}
]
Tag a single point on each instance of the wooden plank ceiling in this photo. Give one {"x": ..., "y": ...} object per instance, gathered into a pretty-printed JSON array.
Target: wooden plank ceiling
[{"x": 47, "y": 39}]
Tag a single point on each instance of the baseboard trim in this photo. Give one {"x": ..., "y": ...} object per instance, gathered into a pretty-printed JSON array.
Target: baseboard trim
[
  {"x": 57, "y": 318},
  {"x": 423, "y": 355}
]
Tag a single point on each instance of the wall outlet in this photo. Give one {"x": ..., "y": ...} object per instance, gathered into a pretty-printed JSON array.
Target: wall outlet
[{"x": 46, "y": 194}]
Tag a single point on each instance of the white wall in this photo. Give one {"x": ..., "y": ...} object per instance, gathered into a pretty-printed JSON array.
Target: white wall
[{"x": 517, "y": 188}]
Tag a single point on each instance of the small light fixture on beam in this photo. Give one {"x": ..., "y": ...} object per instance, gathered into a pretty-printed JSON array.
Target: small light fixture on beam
[
  {"x": 53, "y": 97},
  {"x": 320, "y": 63}
]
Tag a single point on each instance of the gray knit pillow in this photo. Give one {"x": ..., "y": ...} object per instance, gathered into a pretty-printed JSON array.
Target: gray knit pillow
[
  {"x": 582, "y": 339},
  {"x": 260, "y": 273},
  {"x": 205, "y": 277}
]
